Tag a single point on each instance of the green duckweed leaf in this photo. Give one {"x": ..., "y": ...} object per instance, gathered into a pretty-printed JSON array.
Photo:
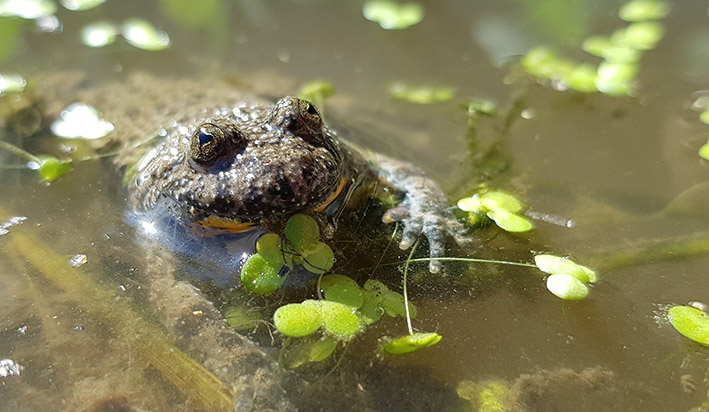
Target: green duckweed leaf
[
  {"x": 622, "y": 54},
  {"x": 616, "y": 79},
  {"x": 555, "y": 265},
  {"x": 393, "y": 304},
  {"x": 303, "y": 233},
  {"x": 639, "y": 36},
  {"x": 12, "y": 83},
  {"x": 241, "y": 317},
  {"x": 704, "y": 151},
  {"x": 316, "y": 91},
  {"x": 510, "y": 222},
  {"x": 410, "y": 343},
  {"x": 99, "y": 34},
  {"x": 597, "y": 45},
  {"x": 421, "y": 94},
  {"x": 342, "y": 289},
  {"x": 260, "y": 276},
  {"x": 480, "y": 106},
  {"x": 391, "y": 15},
  {"x": 692, "y": 323},
  {"x": 567, "y": 287},
  {"x": 470, "y": 204},
  {"x": 27, "y": 9},
  {"x": 641, "y": 10},
  {"x": 583, "y": 79},
  {"x": 297, "y": 319},
  {"x": 51, "y": 168},
  {"x": 269, "y": 247},
  {"x": 143, "y": 35},
  {"x": 703, "y": 116},
  {"x": 339, "y": 319},
  {"x": 319, "y": 259},
  {"x": 497, "y": 200},
  {"x": 77, "y": 5},
  {"x": 544, "y": 63}
]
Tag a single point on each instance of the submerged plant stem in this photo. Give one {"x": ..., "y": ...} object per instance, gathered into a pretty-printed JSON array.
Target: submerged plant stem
[
  {"x": 186, "y": 374},
  {"x": 16, "y": 150},
  {"x": 406, "y": 294}
]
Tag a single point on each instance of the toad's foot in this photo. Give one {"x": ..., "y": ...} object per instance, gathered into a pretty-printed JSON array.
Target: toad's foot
[{"x": 424, "y": 210}]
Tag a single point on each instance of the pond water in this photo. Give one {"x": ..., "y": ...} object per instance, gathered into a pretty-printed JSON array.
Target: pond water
[{"x": 613, "y": 181}]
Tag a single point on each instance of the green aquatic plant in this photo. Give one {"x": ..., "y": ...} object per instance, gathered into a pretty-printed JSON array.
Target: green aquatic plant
[
  {"x": 568, "y": 280},
  {"x": 99, "y": 34},
  {"x": 642, "y": 10},
  {"x": 311, "y": 349},
  {"x": 49, "y": 168},
  {"x": 79, "y": 5},
  {"x": 704, "y": 151},
  {"x": 262, "y": 271},
  {"x": 621, "y": 52},
  {"x": 691, "y": 322},
  {"x": 142, "y": 34},
  {"x": 410, "y": 343},
  {"x": 486, "y": 396},
  {"x": 12, "y": 83},
  {"x": 391, "y": 15},
  {"x": 502, "y": 207},
  {"x": 704, "y": 115},
  {"x": 27, "y": 9},
  {"x": 421, "y": 94}
]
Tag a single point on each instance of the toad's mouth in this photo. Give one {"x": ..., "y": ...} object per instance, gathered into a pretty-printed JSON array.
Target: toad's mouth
[{"x": 240, "y": 226}]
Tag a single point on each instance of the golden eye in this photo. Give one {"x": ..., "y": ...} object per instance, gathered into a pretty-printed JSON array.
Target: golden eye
[
  {"x": 309, "y": 115},
  {"x": 208, "y": 144}
]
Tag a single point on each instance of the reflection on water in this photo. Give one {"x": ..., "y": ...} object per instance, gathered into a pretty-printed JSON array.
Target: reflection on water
[{"x": 101, "y": 336}]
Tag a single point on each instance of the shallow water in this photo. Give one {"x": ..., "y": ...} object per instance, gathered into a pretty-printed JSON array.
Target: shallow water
[{"x": 612, "y": 165}]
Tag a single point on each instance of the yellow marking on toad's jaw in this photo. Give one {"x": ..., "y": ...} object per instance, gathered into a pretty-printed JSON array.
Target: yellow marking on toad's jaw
[
  {"x": 332, "y": 197},
  {"x": 228, "y": 225}
]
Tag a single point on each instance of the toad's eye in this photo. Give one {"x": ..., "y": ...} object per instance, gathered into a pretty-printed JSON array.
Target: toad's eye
[
  {"x": 210, "y": 142},
  {"x": 309, "y": 115}
]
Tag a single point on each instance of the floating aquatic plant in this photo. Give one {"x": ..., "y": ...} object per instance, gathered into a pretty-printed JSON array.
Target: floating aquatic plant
[
  {"x": 642, "y": 10},
  {"x": 568, "y": 280},
  {"x": 704, "y": 151},
  {"x": 691, "y": 322},
  {"x": 421, "y": 94},
  {"x": 49, "y": 167},
  {"x": 501, "y": 207},
  {"x": 621, "y": 52},
  {"x": 78, "y": 5},
  {"x": 99, "y": 34},
  {"x": 391, "y": 15},
  {"x": 307, "y": 350},
  {"x": 410, "y": 343},
  {"x": 27, "y": 9},
  {"x": 12, "y": 83},
  {"x": 263, "y": 271},
  {"x": 704, "y": 115},
  {"x": 143, "y": 35}
]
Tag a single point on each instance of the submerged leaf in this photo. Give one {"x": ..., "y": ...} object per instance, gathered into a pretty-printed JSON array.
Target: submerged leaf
[
  {"x": 392, "y": 15},
  {"x": 410, "y": 343},
  {"x": 342, "y": 289},
  {"x": 320, "y": 259},
  {"x": 316, "y": 91}
]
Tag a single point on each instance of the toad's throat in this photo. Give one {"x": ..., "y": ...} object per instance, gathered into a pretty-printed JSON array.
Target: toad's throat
[{"x": 236, "y": 226}]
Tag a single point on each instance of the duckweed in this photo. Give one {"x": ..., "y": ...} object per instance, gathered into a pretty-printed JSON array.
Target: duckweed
[
  {"x": 410, "y": 343},
  {"x": 501, "y": 207},
  {"x": 691, "y": 322},
  {"x": 391, "y": 15},
  {"x": 143, "y": 35}
]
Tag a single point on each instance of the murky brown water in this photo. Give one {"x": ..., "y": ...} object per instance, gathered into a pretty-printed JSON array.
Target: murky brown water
[{"x": 610, "y": 164}]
